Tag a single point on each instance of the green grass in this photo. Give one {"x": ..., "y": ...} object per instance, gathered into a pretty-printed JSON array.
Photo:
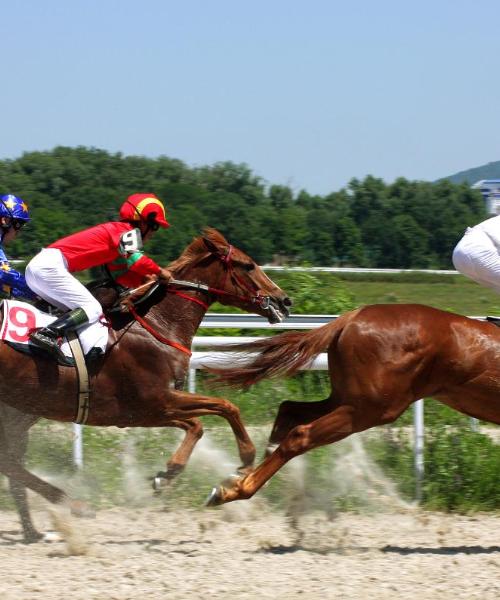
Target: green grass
[{"x": 446, "y": 292}]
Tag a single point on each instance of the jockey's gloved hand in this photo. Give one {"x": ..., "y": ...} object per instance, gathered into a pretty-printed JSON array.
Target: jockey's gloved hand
[{"x": 165, "y": 276}]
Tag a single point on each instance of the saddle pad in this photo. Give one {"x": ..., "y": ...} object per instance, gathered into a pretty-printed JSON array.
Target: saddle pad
[{"x": 20, "y": 318}]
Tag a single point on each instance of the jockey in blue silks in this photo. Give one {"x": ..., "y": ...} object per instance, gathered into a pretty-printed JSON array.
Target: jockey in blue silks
[{"x": 13, "y": 215}]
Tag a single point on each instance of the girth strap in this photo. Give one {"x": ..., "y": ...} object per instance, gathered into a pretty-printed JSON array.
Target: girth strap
[{"x": 83, "y": 405}]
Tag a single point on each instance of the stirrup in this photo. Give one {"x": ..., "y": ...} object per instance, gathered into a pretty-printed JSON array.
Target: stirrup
[{"x": 49, "y": 344}]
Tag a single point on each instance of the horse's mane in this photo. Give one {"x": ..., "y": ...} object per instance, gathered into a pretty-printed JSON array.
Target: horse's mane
[{"x": 197, "y": 250}]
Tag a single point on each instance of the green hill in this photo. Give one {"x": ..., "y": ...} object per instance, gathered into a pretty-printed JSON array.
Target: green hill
[{"x": 488, "y": 171}]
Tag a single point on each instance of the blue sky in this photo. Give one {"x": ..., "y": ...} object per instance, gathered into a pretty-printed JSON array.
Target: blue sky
[{"x": 307, "y": 93}]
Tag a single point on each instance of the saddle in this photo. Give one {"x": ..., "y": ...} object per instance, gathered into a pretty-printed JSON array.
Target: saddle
[
  {"x": 111, "y": 296},
  {"x": 494, "y": 320},
  {"x": 115, "y": 300}
]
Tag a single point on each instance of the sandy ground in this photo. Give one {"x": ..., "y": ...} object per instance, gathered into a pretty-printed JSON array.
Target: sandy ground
[{"x": 243, "y": 550}]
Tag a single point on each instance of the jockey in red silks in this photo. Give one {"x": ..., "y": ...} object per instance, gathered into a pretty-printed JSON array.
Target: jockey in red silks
[{"x": 49, "y": 273}]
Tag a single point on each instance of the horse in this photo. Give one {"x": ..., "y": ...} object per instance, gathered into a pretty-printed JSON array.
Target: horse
[
  {"x": 381, "y": 358},
  {"x": 139, "y": 382}
]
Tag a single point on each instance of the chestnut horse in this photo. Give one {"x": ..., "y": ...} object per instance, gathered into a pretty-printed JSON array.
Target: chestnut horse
[
  {"x": 139, "y": 382},
  {"x": 381, "y": 359}
]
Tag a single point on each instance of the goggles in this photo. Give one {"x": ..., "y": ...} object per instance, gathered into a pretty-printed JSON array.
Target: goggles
[
  {"x": 18, "y": 224},
  {"x": 15, "y": 223}
]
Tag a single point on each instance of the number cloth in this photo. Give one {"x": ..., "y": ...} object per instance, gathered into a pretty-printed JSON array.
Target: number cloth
[{"x": 21, "y": 318}]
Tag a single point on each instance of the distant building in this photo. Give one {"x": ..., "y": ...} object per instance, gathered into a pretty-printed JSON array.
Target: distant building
[{"x": 490, "y": 189}]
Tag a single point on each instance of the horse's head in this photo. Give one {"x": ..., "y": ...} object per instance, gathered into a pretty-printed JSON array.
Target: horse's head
[{"x": 232, "y": 276}]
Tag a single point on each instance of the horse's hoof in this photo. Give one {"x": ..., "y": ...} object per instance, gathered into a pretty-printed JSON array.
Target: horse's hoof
[
  {"x": 33, "y": 536},
  {"x": 159, "y": 483},
  {"x": 51, "y": 536},
  {"x": 81, "y": 509},
  {"x": 215, "y": 497},
  {"x": 270, "y": 449},
  {"x": 232, "y": 478}
]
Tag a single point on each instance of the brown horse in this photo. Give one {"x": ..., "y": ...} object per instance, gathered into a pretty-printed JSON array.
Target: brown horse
[
  {"x": 381, "y": 359},
  {"x": 139, "y": 382}
]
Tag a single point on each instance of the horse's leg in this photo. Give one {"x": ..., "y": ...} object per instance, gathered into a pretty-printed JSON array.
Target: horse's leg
[
  {"x": 15, "y": 426},
  {"x": 18, "y": 493},
  {"x": 183, "y": 405},
  {"x": 13, "y": 469},
  {"x": 325, "y": 430},
  {"x": 291, "y": 413},
  {"x": 179, "y": 459}
]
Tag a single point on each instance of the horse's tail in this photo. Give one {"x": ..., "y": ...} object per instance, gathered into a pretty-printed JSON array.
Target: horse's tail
[{"x": 278, "y": 356}]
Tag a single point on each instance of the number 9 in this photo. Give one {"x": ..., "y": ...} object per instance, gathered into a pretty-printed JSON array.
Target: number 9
[{"x": 23, "y": 320}]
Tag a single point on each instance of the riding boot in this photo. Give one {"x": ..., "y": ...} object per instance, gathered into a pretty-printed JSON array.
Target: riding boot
[{"x": 50, "y": 338}]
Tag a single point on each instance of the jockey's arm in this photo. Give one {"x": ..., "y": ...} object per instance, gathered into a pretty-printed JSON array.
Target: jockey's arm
[
  {"x": 14, "y": 284},
  {"x": 146, "y": 267},
  {"x": 142, "y": 264}
]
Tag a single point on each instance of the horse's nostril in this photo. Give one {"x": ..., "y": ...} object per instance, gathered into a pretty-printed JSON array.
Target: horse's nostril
[{"x": 287, "y": 301}]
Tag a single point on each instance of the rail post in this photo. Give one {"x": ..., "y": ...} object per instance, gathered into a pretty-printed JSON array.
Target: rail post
[{"x": 418, "y": 447}]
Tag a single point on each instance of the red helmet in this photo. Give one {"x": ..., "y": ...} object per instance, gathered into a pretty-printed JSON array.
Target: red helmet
[{"x": 144, "y": 207}]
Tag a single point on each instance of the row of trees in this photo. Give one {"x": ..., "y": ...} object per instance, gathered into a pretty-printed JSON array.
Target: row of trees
[{"x": 406, "y": 224}]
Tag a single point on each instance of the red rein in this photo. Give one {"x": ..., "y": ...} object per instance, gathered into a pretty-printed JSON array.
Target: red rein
[
  {"x": 157, "y": 335},
  {"x": 226, "y": 259}
]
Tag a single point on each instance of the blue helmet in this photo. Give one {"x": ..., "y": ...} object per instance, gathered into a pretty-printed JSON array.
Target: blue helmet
[{"x": 14, "y": 207}]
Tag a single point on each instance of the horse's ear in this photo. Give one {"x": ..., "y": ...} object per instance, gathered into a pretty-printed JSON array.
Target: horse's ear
[{"x": 210, "y": 246}]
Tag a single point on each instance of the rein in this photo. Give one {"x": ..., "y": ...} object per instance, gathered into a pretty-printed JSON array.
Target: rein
[
  {"x": 254, "y": 296},
  {"x": 157, "y": 335},
  {"x": 152, "y": 331}
]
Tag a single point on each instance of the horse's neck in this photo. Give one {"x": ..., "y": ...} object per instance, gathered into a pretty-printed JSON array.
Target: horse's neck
[
  {"x": 180, "y": 314},
  {"x": 181, "y": 311}
]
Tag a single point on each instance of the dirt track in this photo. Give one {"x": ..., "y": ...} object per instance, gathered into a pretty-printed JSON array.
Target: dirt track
[{"x": 244, "y": 551}]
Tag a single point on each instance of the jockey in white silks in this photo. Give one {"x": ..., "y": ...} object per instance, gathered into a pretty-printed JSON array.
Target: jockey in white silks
[{"x": 477, "y": 254}]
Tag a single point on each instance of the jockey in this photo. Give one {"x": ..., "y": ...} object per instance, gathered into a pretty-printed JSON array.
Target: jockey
[
  {"x": 13, "y": 215},
  {"x": 49, "y": 273},
  {"x": 477, "y": 254}
]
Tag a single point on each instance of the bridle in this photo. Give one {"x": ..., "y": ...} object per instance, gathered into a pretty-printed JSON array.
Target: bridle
[{"x": 253, "y": 296}]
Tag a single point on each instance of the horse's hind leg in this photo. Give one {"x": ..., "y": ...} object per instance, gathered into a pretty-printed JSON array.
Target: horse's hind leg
[
  {"x": 291, "y": 413},
  {"x": 179, "y": 459},
  {"x": 18, "y": 492},
  {"x": 327, "y": 429},
  {"x": 11, "y": 466},
  {"x": 15, "y": 427}
]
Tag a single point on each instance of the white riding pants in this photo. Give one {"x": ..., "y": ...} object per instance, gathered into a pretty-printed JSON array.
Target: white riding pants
[
  {"x": 48, "y": 276},
  {"x": 477, "y": 257}
]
